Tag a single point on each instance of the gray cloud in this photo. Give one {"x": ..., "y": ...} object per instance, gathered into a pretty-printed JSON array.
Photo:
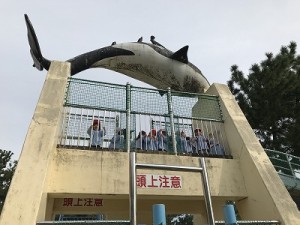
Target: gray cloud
[{"x": 219, "y": 33}]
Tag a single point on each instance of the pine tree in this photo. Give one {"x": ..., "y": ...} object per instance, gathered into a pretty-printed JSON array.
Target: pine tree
[
  {"x": 7, "y": 168},
  {"x": 269, "y": 97}
]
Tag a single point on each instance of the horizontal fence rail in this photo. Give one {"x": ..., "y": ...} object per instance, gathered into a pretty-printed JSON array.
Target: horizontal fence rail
[
  {"x": 78, "y": 217},
  {"x": 106, "y": 222},
  {"x": 248, "y": 222},
  {"x": 194, "y": 126}
]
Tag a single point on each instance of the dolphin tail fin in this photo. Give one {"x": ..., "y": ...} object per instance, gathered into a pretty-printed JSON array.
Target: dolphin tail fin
[
  {"x": 39, "y": 61},
  {"x": 181, "y": 55}
]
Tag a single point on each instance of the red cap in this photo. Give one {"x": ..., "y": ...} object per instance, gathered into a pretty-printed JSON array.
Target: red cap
[{"x": 153, "y": 132}]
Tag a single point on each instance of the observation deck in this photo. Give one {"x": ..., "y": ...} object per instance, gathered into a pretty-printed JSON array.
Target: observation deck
[
  {"x": 150, "y": 109},
  {"x": 120, "y": 108},
  {"x": 70, "y": 174}
]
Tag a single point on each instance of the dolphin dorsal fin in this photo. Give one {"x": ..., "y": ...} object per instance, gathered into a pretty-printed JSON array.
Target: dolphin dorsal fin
[{"x": 181, "y": 55}]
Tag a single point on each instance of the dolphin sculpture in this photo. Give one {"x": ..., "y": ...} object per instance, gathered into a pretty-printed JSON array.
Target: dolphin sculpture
[{"x": 146, "y": 62}]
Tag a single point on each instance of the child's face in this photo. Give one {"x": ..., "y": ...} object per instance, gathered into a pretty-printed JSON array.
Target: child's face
[{"x": 197, "y": 132}]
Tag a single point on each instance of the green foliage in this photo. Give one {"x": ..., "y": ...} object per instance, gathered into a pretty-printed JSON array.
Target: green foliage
[
  {"x": 7, "y": 168},
  {"x": 269, "y": 96},
  {"x": 180, "y": 219}
]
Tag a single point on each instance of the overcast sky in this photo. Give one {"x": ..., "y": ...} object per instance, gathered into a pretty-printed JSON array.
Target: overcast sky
[{"x": 219, "y": 34}]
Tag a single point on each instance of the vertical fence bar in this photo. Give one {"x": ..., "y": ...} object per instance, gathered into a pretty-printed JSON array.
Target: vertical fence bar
[
  {"x": 104, "y": 144},
  {"x": 87, "y": 139},
  {"x": 290, "y": 166},
  {"x": 132, "y": 191},
  {"x": 128, "y": 112},
  {"x": 63, "y": 133},
  {"x": 207, "y": 196},
  {"x": 170, "y": 109}
]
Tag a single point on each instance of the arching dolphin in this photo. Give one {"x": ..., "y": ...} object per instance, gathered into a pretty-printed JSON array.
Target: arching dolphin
[{"x": 146, "y": 62}]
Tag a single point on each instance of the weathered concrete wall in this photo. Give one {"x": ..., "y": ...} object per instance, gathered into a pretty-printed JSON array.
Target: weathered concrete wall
[
  {"x": 107, "y": 172},
  {"x": 26, "y": 202},
  {"x": 104, "y": 174}
]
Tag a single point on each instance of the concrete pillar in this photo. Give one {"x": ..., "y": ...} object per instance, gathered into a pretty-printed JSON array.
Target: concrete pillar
[
  {"x": 263, "y": 184},
  {"x": 26, "y": 200}
]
